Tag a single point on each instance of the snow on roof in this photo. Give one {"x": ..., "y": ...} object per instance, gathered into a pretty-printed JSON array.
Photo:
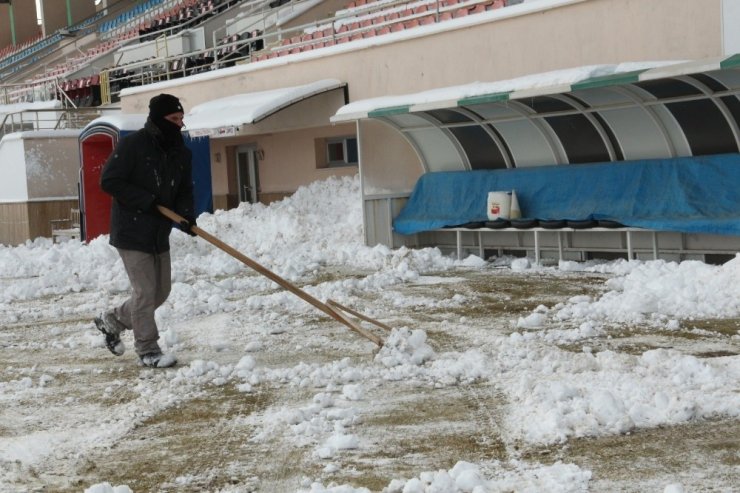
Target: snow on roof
[
  {"x": 545, "y": 83},
  {"x": 247, "y": 108},
  {"x": 6, "y": 109},
  {"x": 122, "y": 121},
  {"x": 292, "y": 11},
  {"x": 42, "y": 134}
]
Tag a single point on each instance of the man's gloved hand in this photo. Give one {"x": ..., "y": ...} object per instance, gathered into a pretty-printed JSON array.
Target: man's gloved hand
[{"x": 186, "y": 225}]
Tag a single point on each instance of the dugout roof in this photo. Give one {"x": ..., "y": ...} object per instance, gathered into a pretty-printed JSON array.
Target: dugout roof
[{"x": 588, "y": 114}]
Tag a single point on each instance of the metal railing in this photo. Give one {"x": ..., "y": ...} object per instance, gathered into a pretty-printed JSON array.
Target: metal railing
[
  {"x": 264, "y": 41},
  {"x": 51, "y": 119},
  {"x": 232, "y": 53},
  {"x": 27, "y": 93}
]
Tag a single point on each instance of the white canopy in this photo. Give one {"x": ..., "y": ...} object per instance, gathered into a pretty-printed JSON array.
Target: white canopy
[{"x": 224, "y": 116}]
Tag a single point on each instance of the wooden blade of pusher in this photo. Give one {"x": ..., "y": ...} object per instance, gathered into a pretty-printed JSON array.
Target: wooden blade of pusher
[
  {"x": 273, "y": 277},
  {"x": 357, "y": 314}
]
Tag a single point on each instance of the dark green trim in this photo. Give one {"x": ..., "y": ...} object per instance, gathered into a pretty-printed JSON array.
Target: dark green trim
[
  {"x": 484, "y": 98},
  {"x": 391, "y": 110},
  {"x": 69, "y": 14},
  {"x": 733, "y": 61},
  {"x": 609, "y": 80},
  {"x": 11, "y": 17}
]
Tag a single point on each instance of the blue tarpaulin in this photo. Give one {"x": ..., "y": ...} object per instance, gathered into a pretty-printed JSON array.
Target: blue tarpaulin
[{"x": 691, "y": 195}]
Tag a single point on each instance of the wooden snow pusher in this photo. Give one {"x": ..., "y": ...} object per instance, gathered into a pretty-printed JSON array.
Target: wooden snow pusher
[{"x": 338, "y": 312}]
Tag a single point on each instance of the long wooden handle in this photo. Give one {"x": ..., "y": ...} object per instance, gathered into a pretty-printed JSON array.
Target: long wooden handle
[
  {"x": 359, "y": 315},
  {"x": 273, "y": 277}
]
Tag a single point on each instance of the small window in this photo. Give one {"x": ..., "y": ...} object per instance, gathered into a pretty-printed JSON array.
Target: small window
[{"x": 341, "y": 151}]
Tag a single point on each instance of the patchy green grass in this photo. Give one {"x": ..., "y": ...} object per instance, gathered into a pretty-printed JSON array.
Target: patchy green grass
[
  {"x": 431, "y": 431},
  {"x": 645, "y": 455},
  {"x": 724, "y": 326},
  {"x": 194, "y": 441}
]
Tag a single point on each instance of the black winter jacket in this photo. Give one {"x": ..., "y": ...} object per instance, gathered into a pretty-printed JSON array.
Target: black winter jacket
[{"x": 139, "y": 174}]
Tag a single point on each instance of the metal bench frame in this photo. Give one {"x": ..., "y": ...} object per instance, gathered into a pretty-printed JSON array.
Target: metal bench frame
[
  {"x": 72, "y": 231},
  {"x": 536, "y": 231}
]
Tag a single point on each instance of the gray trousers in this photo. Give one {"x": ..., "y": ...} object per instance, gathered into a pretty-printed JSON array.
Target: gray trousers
[{"x": 150, "y": 279}]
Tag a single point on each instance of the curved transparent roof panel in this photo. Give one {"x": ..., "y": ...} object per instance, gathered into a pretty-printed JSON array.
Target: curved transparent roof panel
[
  {"x": 448, "y": 116},
  {"x": 661, "y": 110},
  {"x": 581, "y": 140},
  {"x": 409, "y": 120},
  {"x": 705, "y": 127},
  {"x": 729, "y": 78},
  {"x": 545, "y": 104},
  {"x": 479, "y": 147},
  {"x": 673, "y": 131},
  {"x": 437, "y": 150},
  {"x": 638, "y": 135},
  {"x": 668, "y": 88},
  {"x": 601, "y": 96},
  {"x": 495, "y": 111},
  {"x": 527, "y": 144}
]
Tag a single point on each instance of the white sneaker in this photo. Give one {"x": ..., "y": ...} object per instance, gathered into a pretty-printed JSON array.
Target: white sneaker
[
  {"x": 158, "y": 360},
  {"x": 109, "y": 325}
]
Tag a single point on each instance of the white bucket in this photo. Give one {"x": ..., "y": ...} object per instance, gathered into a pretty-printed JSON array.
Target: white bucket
[
  {"x": 499, "y": 205},
  {"x": 503, "y": 205}
]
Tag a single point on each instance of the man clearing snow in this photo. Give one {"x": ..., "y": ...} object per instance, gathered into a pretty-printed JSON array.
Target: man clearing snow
[{"x": 148, "y": 168}]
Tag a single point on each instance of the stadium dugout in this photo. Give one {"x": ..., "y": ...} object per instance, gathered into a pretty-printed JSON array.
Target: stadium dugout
[{"x": 634, "y": 159}]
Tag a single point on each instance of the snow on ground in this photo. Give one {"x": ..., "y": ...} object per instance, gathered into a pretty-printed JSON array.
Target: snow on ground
[{"x": 222, "y": 322}]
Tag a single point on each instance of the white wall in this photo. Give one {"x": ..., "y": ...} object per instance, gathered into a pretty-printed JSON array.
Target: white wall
[
  {"x": 730, "y": 30},
  {"x": 13, "y": 186},
  {"x": 52, "y": 165}
]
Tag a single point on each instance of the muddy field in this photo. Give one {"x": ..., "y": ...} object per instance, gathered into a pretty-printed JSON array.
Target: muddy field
[{"x": 97, "y": 418}]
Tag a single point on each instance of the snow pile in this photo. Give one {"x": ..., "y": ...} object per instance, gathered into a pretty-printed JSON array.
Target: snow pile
[
  {"x": 555, "y": 395},
  {"x": 41, "y": 268},
  {"x": 321, "y": 224},
  {"x": 657, "y": 290},
  {"x": 108, "y": 488},
  {"x": 654, "y": 294},
  {"x": 466, "y": 477},
  {"x": 324, "y": 424},
  {"x": 405, "y": 347}
]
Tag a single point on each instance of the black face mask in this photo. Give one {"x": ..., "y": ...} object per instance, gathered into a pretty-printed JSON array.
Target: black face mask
[{"x": 171, "y": 133}]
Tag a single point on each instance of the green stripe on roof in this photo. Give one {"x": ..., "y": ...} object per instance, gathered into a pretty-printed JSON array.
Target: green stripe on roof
[
  {"x": 733, "y": 61},
  {"x": 484, "y": 98},
  {"x": 391, "y": 110},
  {"x": 608, "y": 80}
]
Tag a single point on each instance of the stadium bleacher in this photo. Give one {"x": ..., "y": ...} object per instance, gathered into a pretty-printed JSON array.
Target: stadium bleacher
[
  {"x": 147, "y": 21},
  {"x": 361, "y": 20}
]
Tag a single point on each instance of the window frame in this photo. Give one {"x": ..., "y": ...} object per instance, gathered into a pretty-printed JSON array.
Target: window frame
[{"x": 343, "y": 139}]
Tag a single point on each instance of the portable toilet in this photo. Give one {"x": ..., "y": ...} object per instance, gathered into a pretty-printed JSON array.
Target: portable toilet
[{"x": 97, "y": 141}]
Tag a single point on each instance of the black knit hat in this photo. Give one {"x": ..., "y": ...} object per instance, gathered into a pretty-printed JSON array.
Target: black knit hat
[{"x": 163, "y": 105}]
